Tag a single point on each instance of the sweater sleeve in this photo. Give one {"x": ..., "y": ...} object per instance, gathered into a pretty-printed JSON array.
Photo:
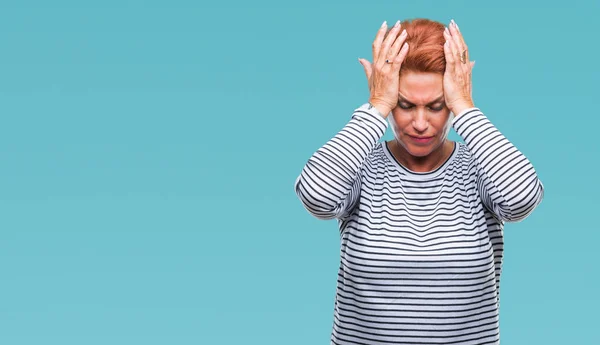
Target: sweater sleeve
[
  {"x": 507, "y": 182},
  {"x": 329, "y": 184}
]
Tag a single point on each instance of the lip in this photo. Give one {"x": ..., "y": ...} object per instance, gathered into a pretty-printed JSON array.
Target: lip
[{"x": 421, "y": 140}]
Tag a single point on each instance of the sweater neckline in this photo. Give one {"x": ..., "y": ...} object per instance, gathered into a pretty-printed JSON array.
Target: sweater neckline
[{"x": 421, "y": 175}]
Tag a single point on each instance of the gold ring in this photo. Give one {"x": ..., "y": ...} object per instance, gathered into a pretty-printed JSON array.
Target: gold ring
[{"x": 463, "y": 56}]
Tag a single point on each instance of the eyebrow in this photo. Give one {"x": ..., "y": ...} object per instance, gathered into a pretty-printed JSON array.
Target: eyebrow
[{"x": 402, "y": 99}]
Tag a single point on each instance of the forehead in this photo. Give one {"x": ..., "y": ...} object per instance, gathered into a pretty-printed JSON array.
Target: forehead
[{"x": 420, "y": 87}]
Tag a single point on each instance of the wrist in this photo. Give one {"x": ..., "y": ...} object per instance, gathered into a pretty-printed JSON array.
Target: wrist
[
  {"x": 383, "y": 109},
  {"x": 461, "y": 106}
]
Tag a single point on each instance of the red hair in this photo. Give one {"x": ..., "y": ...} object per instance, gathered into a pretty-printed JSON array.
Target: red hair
[{"x": 426, "y": 40}]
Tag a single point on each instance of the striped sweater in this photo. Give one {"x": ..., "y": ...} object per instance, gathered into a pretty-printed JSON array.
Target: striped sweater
[{"x": 421, "y": 252}]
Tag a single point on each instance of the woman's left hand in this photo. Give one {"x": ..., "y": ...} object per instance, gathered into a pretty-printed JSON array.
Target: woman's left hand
[{"x": 457, "y": 77}]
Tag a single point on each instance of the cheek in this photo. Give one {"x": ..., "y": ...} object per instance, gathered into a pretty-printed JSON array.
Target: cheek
[
  {"x": 401, "y": 119},
  {"x": 444, "y": 125},
  {"x": 441, "y": 122}
]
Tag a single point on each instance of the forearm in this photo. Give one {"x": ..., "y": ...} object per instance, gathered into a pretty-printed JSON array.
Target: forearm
[
  {"x": 511, "y": 180},
  {"x": 331, "y": 172}
]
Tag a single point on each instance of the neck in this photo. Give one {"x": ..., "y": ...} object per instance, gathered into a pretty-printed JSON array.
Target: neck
[{"x": 422, "y": 164}]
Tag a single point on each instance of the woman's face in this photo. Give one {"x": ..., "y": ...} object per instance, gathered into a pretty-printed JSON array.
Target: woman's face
[{"x": 421, "y": 118}]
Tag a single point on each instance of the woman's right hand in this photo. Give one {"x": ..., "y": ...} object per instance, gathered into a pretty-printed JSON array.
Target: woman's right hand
[{"x": 383, "y": 77}]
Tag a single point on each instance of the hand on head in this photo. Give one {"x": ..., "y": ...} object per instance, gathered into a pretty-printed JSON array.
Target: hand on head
[
  {"x": 383, "y": 74},
  {"x": 390, "y": 51},
  {"x": 457, "y": 77}
]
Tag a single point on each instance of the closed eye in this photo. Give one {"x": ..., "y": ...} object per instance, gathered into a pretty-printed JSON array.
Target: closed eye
[
  {"x": 407, "y": 106},
  {"x": 404, "y": 105}
]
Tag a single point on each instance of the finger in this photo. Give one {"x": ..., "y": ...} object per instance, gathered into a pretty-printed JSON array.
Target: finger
[
  {"x": 367, "y": 67},
  {"x": 387, "y": 42},
  {"x": 461, "y": 38},
  {"x": 459, "y": 67},
  {"x": 449, "y": 56},
  {"x": 472, "y": 63},
  {"x": 460, "y": 46},
  {"x": 401, "y": 56},
  {"x": 456, "y": 48},
  {"x": 389, "y": 38},
  {"x": 451, "y": 45},
  {"x": 456, "y": 37},
  {"x": 395, "y": 49},
  {"x": 378, "y": 40}
]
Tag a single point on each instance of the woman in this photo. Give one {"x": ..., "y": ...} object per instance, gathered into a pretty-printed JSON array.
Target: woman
[{"x": 421, "y": 217}]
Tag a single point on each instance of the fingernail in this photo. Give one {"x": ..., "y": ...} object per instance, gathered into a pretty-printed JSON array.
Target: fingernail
[
  {"x": 397, "y": 24},
  {"x": 455, "y": 25},
  {"x": 446, "y": 30},
  {"x": 452, "y": 22},
  {"x": 384, "y": 23},
  {"x": 403, "y": 32}
]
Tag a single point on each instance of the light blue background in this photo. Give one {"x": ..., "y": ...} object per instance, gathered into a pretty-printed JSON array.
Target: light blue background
[{"x": 148, "y": 151}]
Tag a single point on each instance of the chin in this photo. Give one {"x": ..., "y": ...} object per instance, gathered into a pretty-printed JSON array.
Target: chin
[{"x": 420, "y": 150}]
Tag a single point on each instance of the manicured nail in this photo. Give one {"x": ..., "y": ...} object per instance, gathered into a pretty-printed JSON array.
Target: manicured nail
[
  {"x": 452, "y": 22},
  {"x": 403, "y": 32},
  {"x": 384, "y": 23},
  {"x": 397, "y": 24},
  {"x": 446, "y": 30}
]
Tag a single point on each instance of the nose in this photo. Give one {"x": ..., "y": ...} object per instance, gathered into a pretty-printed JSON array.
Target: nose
[{"x": 420, "y": 123}]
